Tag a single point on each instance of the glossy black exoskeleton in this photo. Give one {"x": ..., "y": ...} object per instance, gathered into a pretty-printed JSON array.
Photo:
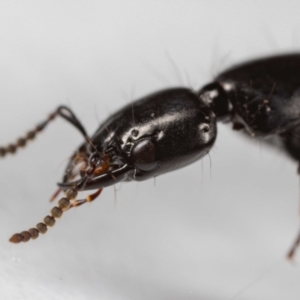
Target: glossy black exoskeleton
[{"x": 170, "y": 129}]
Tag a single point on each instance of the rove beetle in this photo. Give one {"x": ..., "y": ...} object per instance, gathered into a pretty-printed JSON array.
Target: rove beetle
[{"x": 170, "y": 129}]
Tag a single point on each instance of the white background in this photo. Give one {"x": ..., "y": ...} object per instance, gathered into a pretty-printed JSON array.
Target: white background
[{"x": 204, "y": 232}]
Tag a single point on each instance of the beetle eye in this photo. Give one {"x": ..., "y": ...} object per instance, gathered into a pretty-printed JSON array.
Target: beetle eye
[{"x": 143, "y": 155}]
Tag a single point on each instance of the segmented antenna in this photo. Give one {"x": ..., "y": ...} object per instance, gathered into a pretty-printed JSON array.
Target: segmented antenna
[
  {"x": 63, "y": 111},
  {"x": 22, "y": 141},
  {"x": 56, "y": 212}
]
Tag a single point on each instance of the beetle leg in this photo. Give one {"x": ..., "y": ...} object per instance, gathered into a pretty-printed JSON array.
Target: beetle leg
[
  {"x": 237, "y": 126},
  {"x": 294, "y": 247},
  {"x": 296, "y": 244}
]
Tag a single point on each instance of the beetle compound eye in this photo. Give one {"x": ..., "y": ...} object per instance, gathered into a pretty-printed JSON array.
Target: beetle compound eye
[{"x": 143, "y": 155}]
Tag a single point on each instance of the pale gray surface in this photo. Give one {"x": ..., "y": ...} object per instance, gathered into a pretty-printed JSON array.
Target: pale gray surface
[{"x": 199, "y": 233}]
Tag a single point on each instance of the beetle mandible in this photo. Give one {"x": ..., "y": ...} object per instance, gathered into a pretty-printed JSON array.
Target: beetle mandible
[{"x": 170, "y": 129}]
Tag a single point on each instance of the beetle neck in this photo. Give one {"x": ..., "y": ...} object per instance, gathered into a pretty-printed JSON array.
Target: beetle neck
[{"x": 214, "y": 95}]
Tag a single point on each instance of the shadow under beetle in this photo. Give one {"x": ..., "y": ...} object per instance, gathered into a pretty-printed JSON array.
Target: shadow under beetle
[{"x": 172, "y": 128}]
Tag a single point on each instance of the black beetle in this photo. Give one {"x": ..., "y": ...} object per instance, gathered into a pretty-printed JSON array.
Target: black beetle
[{"x": 172, "y": 128}]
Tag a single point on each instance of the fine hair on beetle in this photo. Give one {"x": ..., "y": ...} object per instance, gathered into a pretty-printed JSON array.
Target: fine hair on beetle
[{"x": 172, "y": 128}]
